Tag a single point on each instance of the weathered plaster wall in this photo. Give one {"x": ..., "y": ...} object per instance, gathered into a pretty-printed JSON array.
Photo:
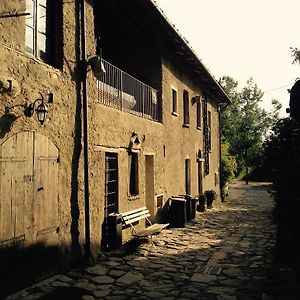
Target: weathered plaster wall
[
  {"x": 30, "y": 77},
  {"x": 184, "y": 142},
  {"x": 110, "y": 130}
]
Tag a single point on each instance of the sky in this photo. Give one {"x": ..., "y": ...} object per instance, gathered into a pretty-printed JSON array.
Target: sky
[{"x": 243, "y": 39}]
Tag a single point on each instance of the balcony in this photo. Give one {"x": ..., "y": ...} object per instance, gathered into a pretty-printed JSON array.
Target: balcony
[{"x": 122, "y": 91}]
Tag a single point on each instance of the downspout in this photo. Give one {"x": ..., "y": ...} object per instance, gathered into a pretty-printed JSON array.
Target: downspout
[{"x": 85, "y": 132}]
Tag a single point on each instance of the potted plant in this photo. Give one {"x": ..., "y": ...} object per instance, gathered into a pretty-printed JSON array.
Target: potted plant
[
  {"x": 201, "y": 203},
  {"x": 210, "y": 197}
]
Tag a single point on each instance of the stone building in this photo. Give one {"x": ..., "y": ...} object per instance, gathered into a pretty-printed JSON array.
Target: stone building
[{"x": 74, "y": 149}]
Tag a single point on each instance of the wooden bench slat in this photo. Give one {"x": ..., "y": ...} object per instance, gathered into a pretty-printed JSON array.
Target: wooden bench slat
[
  {"x": 134, "y": 211},
  {"x": 138, "y": 214},
  {"x": 132, "y": 220}
]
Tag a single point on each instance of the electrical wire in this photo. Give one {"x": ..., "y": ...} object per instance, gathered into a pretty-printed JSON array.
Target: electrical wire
[{"x": 278, "y": 88}]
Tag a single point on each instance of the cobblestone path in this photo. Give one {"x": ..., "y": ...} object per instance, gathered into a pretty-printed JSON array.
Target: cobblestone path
[{"x": 225, "y": 253}]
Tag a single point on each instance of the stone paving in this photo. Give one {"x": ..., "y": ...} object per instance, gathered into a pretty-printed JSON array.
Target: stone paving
[{"x": 226, "y": 253}]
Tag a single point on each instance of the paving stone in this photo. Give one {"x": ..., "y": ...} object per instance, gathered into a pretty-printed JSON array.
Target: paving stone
[
  {"x": 87, "y": 297},
  {"x": 111, "y": 263},
  {"x": 116, "y": 273},
  {"x": 130, "y": 278},
  {"x": 64, "y": 278},
  {"x": 219, "y": 255},
  {"x": 233, "y": 272},
  {"x": 153, "y": 294},
  {"x": 59, "y": 284},
  {"x": 97, "y": 270},
  {"x": 85, "y": 285},
  {"x": 203, "y": 278},
  {"x": 102, "y": 279}
]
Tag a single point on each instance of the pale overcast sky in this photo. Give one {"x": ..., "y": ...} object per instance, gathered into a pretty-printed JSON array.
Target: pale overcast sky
[{"x": 243, "y": 39}]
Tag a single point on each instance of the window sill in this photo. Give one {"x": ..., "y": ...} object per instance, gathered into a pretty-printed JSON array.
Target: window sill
[
  {"x": 186, "y": 125},
  {"x": 33, "y": 58},
  {"x": 132, "y": 198},
  {"x": 175, "y": 114},
  {"x": 199, "y": 128}
]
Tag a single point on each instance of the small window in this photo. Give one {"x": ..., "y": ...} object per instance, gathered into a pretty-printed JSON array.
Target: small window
[
  {"x": 209, "y": 130},
  {"x": 133, "y": 174},
  {"x": 174, "y": 102},
  {"x": 186, "y": 108},
  {"x": 199, "y": 115},
  {"x": 44, "y": 30},
  {"x": 209, "y": 119}
]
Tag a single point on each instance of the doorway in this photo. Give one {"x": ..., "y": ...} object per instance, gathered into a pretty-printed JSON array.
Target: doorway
[
  {"x": 111, "y": 198},
  {"x": 28, "y": 190},
  {"x": 29, "y": 203},
  {"x": 188, "y": 176},
  {"x": 149, "y": 186},
  {"x": 200, "y": 172}
]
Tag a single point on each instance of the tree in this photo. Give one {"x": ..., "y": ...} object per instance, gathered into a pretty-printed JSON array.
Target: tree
[
  {"x": 245, "y": 124},
  {"x": 295, "y": 55}
]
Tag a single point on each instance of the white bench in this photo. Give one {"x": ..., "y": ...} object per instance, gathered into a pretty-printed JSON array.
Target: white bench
[{"x": 133, "y": 216}]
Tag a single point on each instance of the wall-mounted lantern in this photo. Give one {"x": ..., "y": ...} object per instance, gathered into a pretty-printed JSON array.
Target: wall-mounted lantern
[
  {"x": 40, "y": 108},
  {"x": 97, "y": 66}
]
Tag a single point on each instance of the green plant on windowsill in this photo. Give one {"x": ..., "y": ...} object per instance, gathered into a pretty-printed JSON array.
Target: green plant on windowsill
[{"x": 210, "y": 197}]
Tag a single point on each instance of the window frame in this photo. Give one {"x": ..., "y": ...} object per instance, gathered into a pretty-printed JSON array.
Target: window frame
[
  {"x": 47, "y": 33},
  {"x": 133, "y": 174},
  {"x": 199, "y": 115},
  {"x": 186, "y": 109},
  {"x": 174, "y": 97},
  {"x": 209, "y": 130}
]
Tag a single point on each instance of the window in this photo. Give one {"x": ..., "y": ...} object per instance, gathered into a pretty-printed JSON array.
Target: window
[
  {"x": 207, "y": 137},
  {"x": 133, "y": 174},
  {"x": 209, "y": 130},
  {"x": 199, "y": 114},
  {"x": 111, "y": 183},
  {"x": 188, "y": 176},
  {"x": 186, "y": 108},
  {"x": 174, "y": 102},
  {"x": 44, "y": 30}
]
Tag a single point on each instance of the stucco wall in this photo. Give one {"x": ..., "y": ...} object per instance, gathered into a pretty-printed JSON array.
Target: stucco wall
[
  {"x": 110, "y": 130},
  {"x": 30, "y": 77},
  {"x": 184, "y": 142}
]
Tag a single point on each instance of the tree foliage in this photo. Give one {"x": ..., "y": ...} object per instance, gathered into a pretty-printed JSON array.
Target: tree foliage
[
  {"x": 228, "y": 166},
  {"x": 295, "y": 55},
  {"x": 283, "y": 161},
  {"x": 244, "y": 123}
]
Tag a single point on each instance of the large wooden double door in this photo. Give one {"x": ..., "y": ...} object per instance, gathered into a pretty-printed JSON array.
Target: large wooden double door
[{"x": 28, "y": 190}]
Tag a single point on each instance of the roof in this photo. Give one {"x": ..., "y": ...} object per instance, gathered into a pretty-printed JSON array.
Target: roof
[
  {"x": 186, "y": 52},
  {"x": 151, "y": 20}
]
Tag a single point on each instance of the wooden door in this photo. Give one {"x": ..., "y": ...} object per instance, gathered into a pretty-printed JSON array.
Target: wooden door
[
  {"x": 16, "y": 176},
  {"x": 28, "y": 190},
  {"x": 45, "y": 190}
]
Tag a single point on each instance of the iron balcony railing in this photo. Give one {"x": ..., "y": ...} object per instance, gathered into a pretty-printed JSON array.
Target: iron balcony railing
[{"x": 124, "y": 92}]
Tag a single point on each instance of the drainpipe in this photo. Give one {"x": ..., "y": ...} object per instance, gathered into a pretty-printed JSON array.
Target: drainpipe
[{"x": 85, "y": 132}]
